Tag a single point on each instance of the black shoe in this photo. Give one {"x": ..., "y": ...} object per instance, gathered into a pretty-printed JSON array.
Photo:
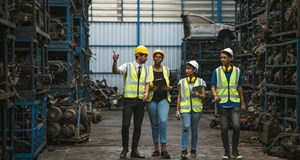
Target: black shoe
[
  {"x": 136, "y": 154},
  {"x": 236, "y": 155},
  {"x": 193, "y": 153},
  {"x": 226, "y": 156},
  {"x": 155, "y": 153},
  {"x": 184, "y": 154},
  {"x": 123, "y": 153},
  {"x": 165, "y": 155}
]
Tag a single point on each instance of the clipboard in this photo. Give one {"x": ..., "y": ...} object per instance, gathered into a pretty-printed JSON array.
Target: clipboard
[
  {"x": 197, "y": 89},
  {"x": 159, "y": 82}
]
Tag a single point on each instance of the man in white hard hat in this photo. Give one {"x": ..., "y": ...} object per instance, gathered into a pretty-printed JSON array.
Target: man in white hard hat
[{"x": 228, "y": 95}]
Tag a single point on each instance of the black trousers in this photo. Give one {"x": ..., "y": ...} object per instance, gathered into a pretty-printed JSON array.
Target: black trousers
[{"x": 135, "y": 106}]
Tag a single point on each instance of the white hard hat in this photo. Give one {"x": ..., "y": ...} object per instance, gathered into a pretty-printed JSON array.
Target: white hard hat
[
  {"x": 194, "y": 64},
  {"x": 228, "y": 50}
]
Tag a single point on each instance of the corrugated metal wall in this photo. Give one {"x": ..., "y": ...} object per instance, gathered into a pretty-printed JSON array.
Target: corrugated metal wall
[
  {"x": 121, "y": 37},
  {"x": 112, "y": 33}
]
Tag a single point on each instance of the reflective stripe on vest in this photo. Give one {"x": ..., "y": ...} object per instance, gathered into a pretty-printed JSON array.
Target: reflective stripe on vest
[
  {"x": 131, "y": 82},
  {"x": 166, "y": 73},
  {"x": 227, "y": 91},
  {"x": 187, "y": 102}
]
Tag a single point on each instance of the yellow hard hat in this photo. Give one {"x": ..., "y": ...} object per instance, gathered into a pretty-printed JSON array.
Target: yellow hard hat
[
  {"x": 141, "y": 49},
  {"x": 158, "y": 51}
]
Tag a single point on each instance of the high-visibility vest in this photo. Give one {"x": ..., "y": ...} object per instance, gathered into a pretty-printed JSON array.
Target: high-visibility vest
[
  {"x": 187, "y": 101},
  {"x": 131, "y": 82},
  {"x": 228, "y": 90},
  {"x": 166, "y": 73}
]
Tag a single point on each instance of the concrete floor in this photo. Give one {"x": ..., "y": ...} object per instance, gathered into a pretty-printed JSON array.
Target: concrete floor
[{"x": 105, "y": 141}]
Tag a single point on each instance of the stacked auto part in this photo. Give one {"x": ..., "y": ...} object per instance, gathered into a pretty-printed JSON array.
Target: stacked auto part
[
  {"x": 32, "y": 78},
  {"x": 269, "y": 55},
  {"x": 69, "y": 110},
  {"x": 102, "y": 95},
  {"x": 7, "y": 78}
]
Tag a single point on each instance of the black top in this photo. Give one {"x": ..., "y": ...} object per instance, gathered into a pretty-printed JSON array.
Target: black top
[{"x": 159, "y": 94}]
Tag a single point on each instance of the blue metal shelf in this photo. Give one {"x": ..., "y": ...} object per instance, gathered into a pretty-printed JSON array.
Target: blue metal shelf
[
  {"x": 30, "y": 118},
  {"x": 7, "y": 125},
  {"x": 79, "y": 34}
]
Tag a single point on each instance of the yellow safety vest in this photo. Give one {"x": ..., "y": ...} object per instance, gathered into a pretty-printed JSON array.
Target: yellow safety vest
[
  {"x": 188, "y": 102},
  {"x": 131, "y": 82},
  {"x": 166, "y": 73},
  {"x": 228, "y": 90}
]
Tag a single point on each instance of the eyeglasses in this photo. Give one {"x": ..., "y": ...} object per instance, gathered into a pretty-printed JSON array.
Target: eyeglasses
[{"x": 158, "y": 57}]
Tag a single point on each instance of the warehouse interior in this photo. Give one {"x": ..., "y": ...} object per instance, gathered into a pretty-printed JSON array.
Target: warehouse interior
[{"x": 60, "y": 100}]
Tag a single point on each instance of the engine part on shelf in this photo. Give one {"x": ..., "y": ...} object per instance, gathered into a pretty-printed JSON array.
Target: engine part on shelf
[
  {"x": 294, "y": 78},
  {"x": 68, "y": 130},
  {"x": 84, "y": 110},
  {"x": 53, "y": 130},
  {"x": 290, "y": 57},
  {"x": 54, "y": 114},
  {"x": 96, "y": 116},
  {"x": 277, "y": 77},
  {"x": 57, "y": 29},
  {"x": 70, "y": 115},
  {"x": 285, "y": 145},
  {"x": 290, "y": 16},
  {"x": 58, "y": 70}
]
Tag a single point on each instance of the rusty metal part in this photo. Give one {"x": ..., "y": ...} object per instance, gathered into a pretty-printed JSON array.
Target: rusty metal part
[
  {"x": 96, "y": 116},
  {"x": 57, "y": 29},
  {"x": 68, "y": 130},
  {"x": 53, "y": 130},
  {"x": 84, "y": 109},
  {"x": 54, "y": 114},
  {"x": 70, "y": 115}
]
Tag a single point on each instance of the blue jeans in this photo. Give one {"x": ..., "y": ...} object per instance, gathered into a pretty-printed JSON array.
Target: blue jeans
[
  {"x": 233, "y": 114},
  {"x": 158, "y": 113},
  {"x": 190, "y": 120}
]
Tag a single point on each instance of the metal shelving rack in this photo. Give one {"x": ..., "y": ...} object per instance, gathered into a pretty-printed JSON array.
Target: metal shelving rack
[
  {"x": 30, "y": 118},
  {"x": 31, "y": 50},
  {"x": 7, "y": 77},
  {"x": 63, "y": 49},
  {"x": 283, "y": 53},
  {"x": 249, "y": 39},
  {"x": 72, "y": 124}
]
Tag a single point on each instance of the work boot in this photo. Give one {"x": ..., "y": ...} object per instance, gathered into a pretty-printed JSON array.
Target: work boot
[
  {"x": 184, "y": 154},
  {"x": 123, "y": 153},
  {"x": 164, "y": 153},
  {"x": 156, "y": 151},
  {"x": 136, "y": 154},
  {"x": 193, "y": 153}
]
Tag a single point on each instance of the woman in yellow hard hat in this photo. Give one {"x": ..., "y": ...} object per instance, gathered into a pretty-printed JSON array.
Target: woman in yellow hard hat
[{"x": 158, "y": 103}]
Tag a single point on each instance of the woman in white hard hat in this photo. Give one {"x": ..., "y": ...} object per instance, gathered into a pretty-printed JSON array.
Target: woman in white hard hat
[
  {"x": 228, "y": 94},
  {"x": 189, "y": 106},
  {"x": 158, "y": 103}
]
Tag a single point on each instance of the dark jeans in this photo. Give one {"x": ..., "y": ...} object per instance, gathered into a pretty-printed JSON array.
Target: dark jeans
[
  {"x": 225, "y": 115},
  {"x": 135, "y": 106}
]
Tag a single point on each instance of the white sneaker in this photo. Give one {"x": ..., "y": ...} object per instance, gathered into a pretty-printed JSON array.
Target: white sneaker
[
  {"x": 226, "y": 156},
  {"x": 237, "y": 156}
]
